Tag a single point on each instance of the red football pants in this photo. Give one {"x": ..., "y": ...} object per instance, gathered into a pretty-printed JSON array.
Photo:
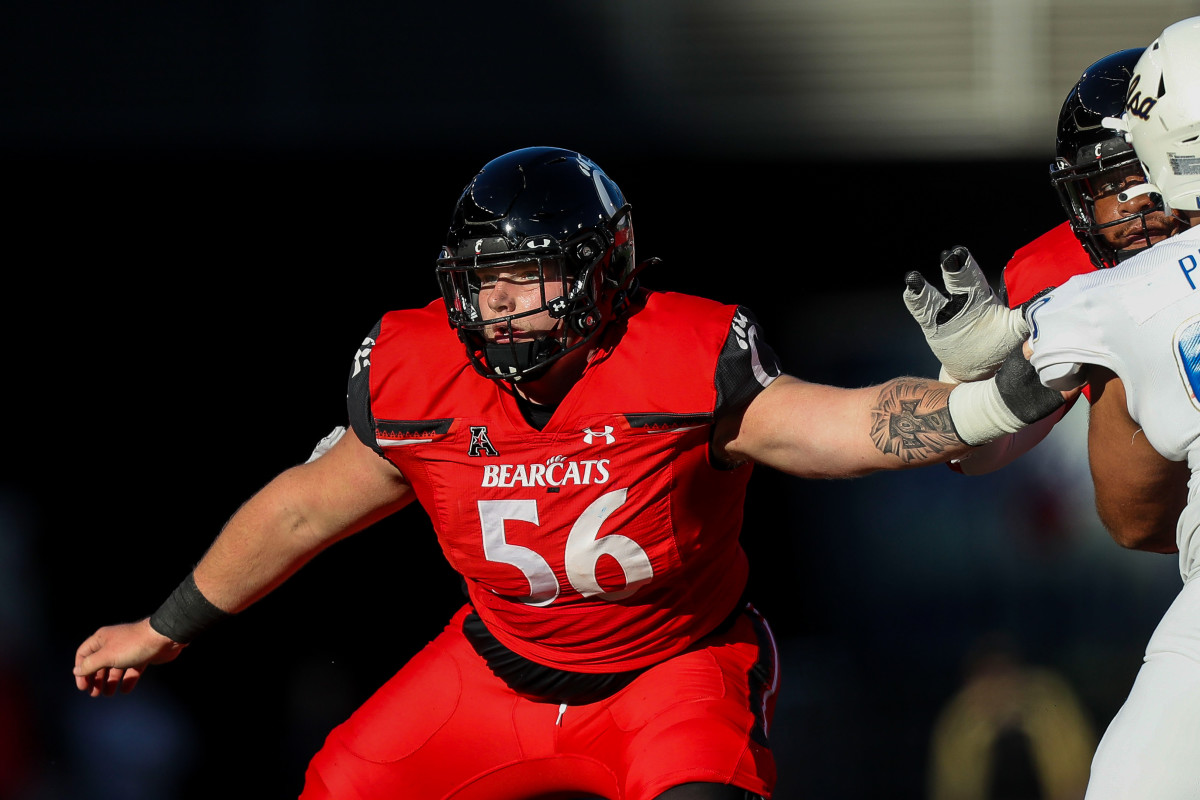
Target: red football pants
[{"x": 445, "y": 727}]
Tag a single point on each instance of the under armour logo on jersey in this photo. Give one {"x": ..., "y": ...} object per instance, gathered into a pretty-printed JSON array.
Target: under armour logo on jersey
[
  {"x": 480, "y": 443},
  {"x": 589, "y": 435},
  {"x": 362, "y": 359}
]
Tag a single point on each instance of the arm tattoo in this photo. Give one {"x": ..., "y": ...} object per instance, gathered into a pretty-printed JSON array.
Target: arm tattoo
[{"x": 912, "y": 420}]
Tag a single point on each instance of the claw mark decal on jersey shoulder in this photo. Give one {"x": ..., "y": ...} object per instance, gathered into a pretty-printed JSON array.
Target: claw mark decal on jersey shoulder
[
  {"x": 480, "y": 443},
  {"x": 745, "y": 333},
  {"x": 362, "y": 359}
]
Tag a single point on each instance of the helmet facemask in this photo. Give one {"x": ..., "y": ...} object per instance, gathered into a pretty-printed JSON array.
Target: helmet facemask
[
  {"x": 1095, "y": 161},
  {"x": 1096, "y": 175},
  {"x": 585, "y": 266}
]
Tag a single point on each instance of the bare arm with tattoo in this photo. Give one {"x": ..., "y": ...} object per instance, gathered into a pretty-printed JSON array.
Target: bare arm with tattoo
[
  {"x": 911, "y": 420},
  {"x": 817, "y": 431}
]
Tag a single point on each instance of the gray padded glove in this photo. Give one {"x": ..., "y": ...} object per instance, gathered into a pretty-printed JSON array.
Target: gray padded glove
[{"x": 971, "y": 331}]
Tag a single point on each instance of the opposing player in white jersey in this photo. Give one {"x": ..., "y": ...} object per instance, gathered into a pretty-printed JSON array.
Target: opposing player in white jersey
[{"x": 1133, "y": 332}]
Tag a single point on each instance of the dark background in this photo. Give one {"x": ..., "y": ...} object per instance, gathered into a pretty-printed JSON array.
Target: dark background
[{"x": 206, "y": 214}]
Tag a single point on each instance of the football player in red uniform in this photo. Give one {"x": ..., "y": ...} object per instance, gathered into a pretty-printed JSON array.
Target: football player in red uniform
[
  {"x": 1093, "y": 170},
  {"x": 1119, "y": 203},
  {"x": 582, "y": 446}
]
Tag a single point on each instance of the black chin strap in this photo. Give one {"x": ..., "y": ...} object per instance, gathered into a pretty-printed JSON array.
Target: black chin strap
[
  {"x": 1124, "y": 255},
  {"x": 516, "y": 361}
]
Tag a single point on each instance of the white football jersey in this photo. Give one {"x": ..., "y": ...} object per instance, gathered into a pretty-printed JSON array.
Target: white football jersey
[{"x": 1140, "y": 319}]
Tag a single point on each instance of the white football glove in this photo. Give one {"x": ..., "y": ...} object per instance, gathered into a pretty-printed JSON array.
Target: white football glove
[{"x": 971, "y": 331}]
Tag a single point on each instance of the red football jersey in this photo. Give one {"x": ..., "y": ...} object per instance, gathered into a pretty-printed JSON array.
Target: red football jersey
[
  {"x": 606, "y": 541},
  {"x": 1046, "y": 262}
]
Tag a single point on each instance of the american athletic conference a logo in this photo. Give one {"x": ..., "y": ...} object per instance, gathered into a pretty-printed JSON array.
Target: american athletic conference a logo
[{"x": 480, "y": 443}]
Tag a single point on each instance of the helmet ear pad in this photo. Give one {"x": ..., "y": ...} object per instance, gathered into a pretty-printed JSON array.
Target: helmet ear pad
[
  {"x": 587, "y": 302},
  {"x": 579, "y": 314}
]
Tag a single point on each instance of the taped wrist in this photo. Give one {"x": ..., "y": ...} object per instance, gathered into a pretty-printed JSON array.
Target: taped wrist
[
  {"x": 986, "y": 410},
  {"x": 186, "y": 613},
  {"x": 979, "y": 414}
]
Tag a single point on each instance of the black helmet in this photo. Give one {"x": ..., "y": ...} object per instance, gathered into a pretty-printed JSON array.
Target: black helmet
[
  {"x": 1087, "y": 149},
  {"x": 553, "y": 208}
]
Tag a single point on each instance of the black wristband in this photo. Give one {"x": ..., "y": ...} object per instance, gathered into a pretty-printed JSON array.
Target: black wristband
[
  {"x": 186, "y": 613},
  {"x": 1021, "y": 390}
]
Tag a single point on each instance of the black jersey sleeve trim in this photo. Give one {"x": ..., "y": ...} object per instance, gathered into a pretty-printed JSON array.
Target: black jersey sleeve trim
[
  {"x": 358, "y": 392},
  {"x": 667, "y": 421},
  {"x": 411, "y": 429},
  {"x": 746, "y": 365}
]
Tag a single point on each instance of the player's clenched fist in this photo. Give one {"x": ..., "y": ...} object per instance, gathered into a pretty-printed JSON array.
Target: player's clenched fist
[{"x": 115, "y": 657}]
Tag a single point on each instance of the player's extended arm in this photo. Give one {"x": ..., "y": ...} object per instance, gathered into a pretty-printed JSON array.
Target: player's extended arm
[
  {"x": 1139, "y": 493},
  {"x": 817, "y": 431},
  {"x": 295, "y": 516}
]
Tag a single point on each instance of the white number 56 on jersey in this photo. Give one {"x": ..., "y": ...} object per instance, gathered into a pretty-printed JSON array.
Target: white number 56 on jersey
[{"x": 584, "y": 547}]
